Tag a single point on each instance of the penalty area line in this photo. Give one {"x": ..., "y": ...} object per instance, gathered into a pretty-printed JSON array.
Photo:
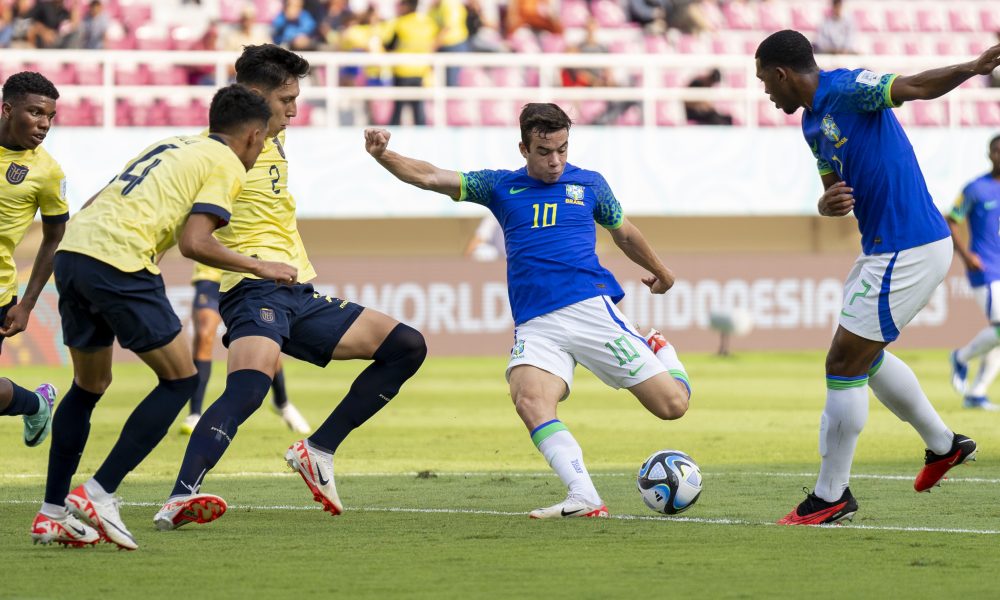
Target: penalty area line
[{"x": 501, "y": 513}]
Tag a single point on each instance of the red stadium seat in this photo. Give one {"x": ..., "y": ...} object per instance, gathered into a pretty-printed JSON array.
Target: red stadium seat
[
  {"x": 381, "y": 111},
  {"x": 167, "y": 75},
  {"x": 739, "y": 16},
  {"x": 132, "y": 75},
  {"x": 89, "y": 74},
  {"x": 574, "y": 13},
  {"x": 150, "y": 114},
  {"x": 990, "y": 19},
  {"x": 867, "y": 20},
  {"x": 152, "y": 37},
  {"x": 609, "y": 14},
  {"x": 632, "y": 117},
  {"x": 670, "y": 113},
  {"x": 773, "y": 16},
  {"x": 459, "y": 113},
  {"x": 898, "y": 20},
  {"x": 656, "y": 44},
  {"x": 805, "y": 17},
  {"x": 930, "y": 19},
  {"x": 497, "y": 113},
  {"x": 552, "y": 43},
  {"x": 988, "y": 114},
  {"x": 930, "y": 114},
  {"x": 961, "y": 19},
  {"x": 135, "y": 15}
]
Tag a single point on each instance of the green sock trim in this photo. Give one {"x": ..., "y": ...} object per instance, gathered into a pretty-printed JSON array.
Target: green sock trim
[
  {"x": 842, "y": 383},
  {"x": 546, "y": 431}
]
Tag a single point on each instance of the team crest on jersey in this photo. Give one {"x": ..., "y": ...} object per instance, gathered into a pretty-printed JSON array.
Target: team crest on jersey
[
  {"x": 574, "y": 192},
  {"x": 267, "y": 315},
  {"x": 518, "y": 350},
  {"x": 16, "y": 173},
  {"x": 830, "y": 129}
]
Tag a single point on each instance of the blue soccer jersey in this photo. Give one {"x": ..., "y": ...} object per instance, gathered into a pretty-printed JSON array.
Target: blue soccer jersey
[
  {"x": 549, "y": 233},
  {"x": 979, "y": 203},
  {"x": 851, "y": 134}
]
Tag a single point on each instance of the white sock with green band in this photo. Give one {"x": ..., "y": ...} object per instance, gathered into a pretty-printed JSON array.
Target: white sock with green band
[
  {"x": 668, "y": 356},
  {"x": 897, "y": 388},
  {"x": 843, "y": 418},
  {"x": 565, "y": 456},
  {"x": 985, "y": 340}
]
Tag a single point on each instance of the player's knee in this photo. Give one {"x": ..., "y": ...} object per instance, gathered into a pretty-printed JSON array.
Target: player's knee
[
  {"x": 184, "y": 386},
  {"x": 203, "y": 341},
  {"x": 405, "y": 347},
  {"x": 95, "y": 383},
  {"x": 672, "y": 406}
]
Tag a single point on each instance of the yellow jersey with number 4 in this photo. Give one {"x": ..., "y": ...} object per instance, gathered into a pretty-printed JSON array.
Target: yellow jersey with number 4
[
  {"x": 140, "y": 213},
  {"x": 263, "y": 223},
  {"x": 32, "y": 181}
]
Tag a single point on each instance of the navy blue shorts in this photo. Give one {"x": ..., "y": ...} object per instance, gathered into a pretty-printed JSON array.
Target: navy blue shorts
[
  {"x": 3, "y": 315},
  {"x": 206, "y": 295},
  {"x": 306, "y": 325},
  {"x": 98, "y": 303}
]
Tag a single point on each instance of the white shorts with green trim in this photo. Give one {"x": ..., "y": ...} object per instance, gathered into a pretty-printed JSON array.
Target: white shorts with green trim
[
  {"x": 883, "y": 292},
  {"x": 592, "y": 332}
]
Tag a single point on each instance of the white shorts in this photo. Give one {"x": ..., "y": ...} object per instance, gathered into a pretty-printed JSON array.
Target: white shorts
[
  {"x": 988, "y": 298},
  {"x": 884, "y": 292},
  {"x": 592, "y": 332}
]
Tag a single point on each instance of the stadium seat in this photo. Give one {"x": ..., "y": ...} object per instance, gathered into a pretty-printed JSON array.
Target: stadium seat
[
  {"x": 551, "y": 43},
  {"x": 381, "y": 111},
  {"x": 632, "y": 117},
  {"x": 930, "y": 114},
  {"x": 961, "y": 19},
  {"x": 123, "y": 113},
  {"x": 167, "y": 75},
  {"x": 656, "y": 44},
  {"x": 497, "y": 113},
  {"x": 574, "y": 13},
  {"x": 867, "y": 20},
  {"x": 150, "y": 114},
  {"x": 459, "y": 113},
  {"x": 805, "y": 17},
  {"x": 609, "y": 14},
  {"x": 694, "y": 44},
  {"x": 267, "y": 10},
  {"x": 670, "y": 113},
  {"x": 988, "y": 114},
  {"x": 89, "y": 74},
  {"x": 152, "y": 37},
  {"x": 773, "y": 16},
  {"x": 135, "y": 15},
  {"x": 897, "y": 21},
  {"x": 132, "y": 74},
  {"x": 990, "y": 19},
  {"x": 739, "y": 16},
  {"x": 186, "y": 37},
  {"x": 930, "y": 19}
]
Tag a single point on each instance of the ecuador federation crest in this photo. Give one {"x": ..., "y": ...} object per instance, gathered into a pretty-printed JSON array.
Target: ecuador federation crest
[
  {"x": 267, "y": 315},
  {"x": 830, "y": 129},
  {"x": 574, "y": 192},
  {"x": 16, "y": 173}
]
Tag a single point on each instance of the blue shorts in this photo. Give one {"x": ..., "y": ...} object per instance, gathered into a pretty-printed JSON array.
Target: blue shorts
[
  {"x": 206, "y": 295},
  {"x": 306, "y": 325},
  {"x": 98, "y": 303},
  {"x": 3, "y": 315}
]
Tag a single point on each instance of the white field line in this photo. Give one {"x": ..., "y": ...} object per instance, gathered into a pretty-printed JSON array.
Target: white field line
[
  {"x": 528, "y": 474},
  {"x": 500, "y": 513}
]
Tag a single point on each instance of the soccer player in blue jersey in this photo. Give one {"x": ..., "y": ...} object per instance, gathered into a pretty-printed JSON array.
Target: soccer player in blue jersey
[
  {"x": 562, "y": 299},
  {"x": 979, "y": 206},
  {"x": 32, "y": 182},
  {"x": 867, "y": 165}
]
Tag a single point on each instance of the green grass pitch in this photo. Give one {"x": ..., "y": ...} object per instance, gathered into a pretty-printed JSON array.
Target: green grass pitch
[{"x": 438, "y": 485}]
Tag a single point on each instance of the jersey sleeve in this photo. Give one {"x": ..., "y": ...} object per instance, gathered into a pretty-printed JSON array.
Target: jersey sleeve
[
  {"x": 864, "y": 91},
  {"x": 52, "y": 197},
  {"x": 477, "y": 186},
  {"x": 607, "y": 211},
  {"x": 822, "y": 165},
  {"x": 220, "y": 190},
  {"x": 961, "y": 207}
]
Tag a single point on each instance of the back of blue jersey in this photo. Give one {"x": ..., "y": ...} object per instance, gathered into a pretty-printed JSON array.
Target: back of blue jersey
[
  {"x": 549, "y": 234},
  {"x": 851, "y": 134},
  {"x": 979, "y": 204}
]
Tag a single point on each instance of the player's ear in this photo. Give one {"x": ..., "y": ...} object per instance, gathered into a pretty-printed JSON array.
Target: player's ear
[{"x": 523, "y": 149}]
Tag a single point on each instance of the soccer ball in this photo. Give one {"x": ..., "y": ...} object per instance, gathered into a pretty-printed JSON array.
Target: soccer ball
[{"x": 669, "y": 481}]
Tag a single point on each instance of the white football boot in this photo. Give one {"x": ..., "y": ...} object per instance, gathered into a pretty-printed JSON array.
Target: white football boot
[
  {"x": 316, "y": 469},
  {"x": 189, "y": 423},
  {"x": 193, "y": 508},
  {"x": 571, "y": 507},
  {"x": 66, "y": 530},
  {"x": 294, "y": 419},
  {"x": 102, "y": 516}
]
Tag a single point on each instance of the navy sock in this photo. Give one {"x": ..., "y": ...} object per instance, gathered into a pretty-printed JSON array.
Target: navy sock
[
  {"x": 244, "y": 393},
  {"x": 396, "y": 360},
  {"x": 279, "y": 397},
  {"x": 22, "y": 401},
  {"x": 144, "y": 429},
  {"x": 70, "y": 428},
  {"x": 204, "y": 374}
]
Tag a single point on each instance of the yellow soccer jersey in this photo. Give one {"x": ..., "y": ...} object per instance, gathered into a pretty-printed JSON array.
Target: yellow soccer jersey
[
  {"x": 141, "y": 212},
  {"x": 33, "y": 180},
  {"x": 206, "y": 273},
  {"x": 263, "y": 222}
]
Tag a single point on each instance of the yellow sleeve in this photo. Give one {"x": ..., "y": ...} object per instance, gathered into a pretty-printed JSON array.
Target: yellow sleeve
[
  {"x": 52, "y": 197},
  {"x": 220, "y": 190}
]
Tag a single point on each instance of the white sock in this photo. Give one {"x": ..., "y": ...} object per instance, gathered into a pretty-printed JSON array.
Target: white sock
[
  {"x": 667, "y": 355},
  {"x": 53, "y": 511},
  {"x": 984, "y": 341},
  {"x": 988, "y": 371},
  {"x": 897, "y": 388},
  {"x": 843, "y": 418},
  {"x": 96, "y": 491},
  {"x": 565, "y": 456}
]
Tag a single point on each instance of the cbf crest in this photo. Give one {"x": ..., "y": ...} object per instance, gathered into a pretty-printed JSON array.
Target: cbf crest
[
  {"x": 16, "y": 173},
  {"x": 830, "y": 129},
  {"x": 574, "y": 192},
  {"x": 518, "y": 350}
]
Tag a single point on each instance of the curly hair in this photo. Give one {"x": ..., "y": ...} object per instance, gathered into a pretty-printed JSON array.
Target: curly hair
[
  {"x": 269, "y": 66},
  {"x": 787, "y": 48},
  {"x": 21, "y": 84},
  {"x": 234, "y": 105}
]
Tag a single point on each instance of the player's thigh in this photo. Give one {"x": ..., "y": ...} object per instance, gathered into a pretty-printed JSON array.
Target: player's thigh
[
  {"x": 536, "y": 394},
  {"x": 257, "y": 353},
  {"x": 323, "y": 328},
  {"x": 662, "y": 395},
  {"x": 256, "y": 308},
  {"x": 600, "y": 338},
  {"x": 170, "y": 361},
  {"x": 92, "y": 368},
  {"x": 365, "y": 335},
  {"x": 539, "y": 344},
  {"x": 851, "y": 355},
  {"x": 83, "y": 325}
]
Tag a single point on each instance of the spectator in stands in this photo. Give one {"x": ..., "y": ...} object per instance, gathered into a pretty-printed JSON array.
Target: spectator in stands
[
  {"x": 702, "y": 112},
  {"x": 995, "y": 75},
  {"x": 361, "y": 34},
  {"x": 20, "y": 23},
  {"x": 687, "y": 16},
  {"x": 651, "y": 15},
  {"x": 453, "y": 34},
  {"x": 335, "y": 20},
  {"x": 595, "y": 77},
  {"x": 46, "y": 19},
  {"x": 246, "y": 33},
  {"x": 487, "y": 242},
  {"x": 89, "y": 29},
  {"x": 6, "y": 25},
  {"x": 410, "y": 32},
  {"x": 836, "y": 33},
  {"x": 484, "y": 33},
  {"x": 293, "y": 27},
  {"x": 538, "y": 15}
]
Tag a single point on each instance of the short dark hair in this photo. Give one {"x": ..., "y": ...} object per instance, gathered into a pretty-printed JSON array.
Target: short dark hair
[
  {"x": 269, "y": 66},
  {"x": 542, "y": 118},
  {"x": 235, "y": 105},
  {"x": 21, "y": 84},
  {"x": 787, "y": 48},
  {"x": 995, "y": 139}
]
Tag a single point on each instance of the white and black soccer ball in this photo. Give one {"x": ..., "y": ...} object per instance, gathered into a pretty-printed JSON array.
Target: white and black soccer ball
[{"x": 669, "y": 481}]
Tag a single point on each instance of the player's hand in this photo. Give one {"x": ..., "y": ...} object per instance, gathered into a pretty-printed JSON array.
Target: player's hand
[
  {"x": 16, "y": 320},
  {"x": 973, "y": 262},
  {"x": 987, "y": 61},
  {"x": 659, "y": 285},
  {"x": 278, "y": 272},
  {"x": 837, "y": 200},
  {"x": 376, "y": 141}
]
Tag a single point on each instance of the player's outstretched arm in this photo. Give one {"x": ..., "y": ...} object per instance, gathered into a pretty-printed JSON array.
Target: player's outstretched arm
[
  {"x": 970, "y": 258},
  {"x": 634, "y": 245},
  {"x": 938, "y": 82},
  {"x": 198, "y": 243},
  {"x": 419, "y": 173},
  {"x": 17, "y": 316}
]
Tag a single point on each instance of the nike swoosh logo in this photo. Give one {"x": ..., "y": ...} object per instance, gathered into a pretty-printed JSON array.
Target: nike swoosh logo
[
  {"x": 846, "y": 314},
  {"x": 80, "y": 532},
  {"x": 514, "y": 190},
  {"x": 34, "y": 439},
  {"x": 632, "y": 372},
  {"x": 322, "y": 480},
  {"x": 570, "y": 513}
]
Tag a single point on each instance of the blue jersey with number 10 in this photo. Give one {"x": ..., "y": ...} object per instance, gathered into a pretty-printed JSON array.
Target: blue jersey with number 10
[
  {"x": 549, "y": 233},
  {"x": 852, "y": 135}
]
